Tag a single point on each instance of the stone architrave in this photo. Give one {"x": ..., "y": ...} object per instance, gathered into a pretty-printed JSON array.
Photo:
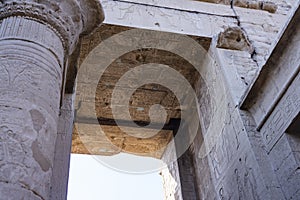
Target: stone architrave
[{"x": 36, "y": 38}]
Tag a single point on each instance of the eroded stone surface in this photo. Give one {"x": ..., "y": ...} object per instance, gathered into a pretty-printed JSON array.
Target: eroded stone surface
[
  {"x": 28, "y": 118},
  {"x": 111, "y": 140},
  {"x": 256, "y": 154},
  {"x": 235, "y": 39},
  {"x": 35, "y": 39},
  {"x": 141, "y": 100},
  {"x": 68, "y": 18},
  {"x": 251, "y": 4}
]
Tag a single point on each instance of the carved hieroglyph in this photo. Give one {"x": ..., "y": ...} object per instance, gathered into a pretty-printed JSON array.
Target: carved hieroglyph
[{"x": 35, "y": 39}]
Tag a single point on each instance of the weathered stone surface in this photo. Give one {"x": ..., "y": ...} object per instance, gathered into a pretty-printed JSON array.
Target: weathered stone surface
[
  {"x": 35, "y": 39},
  {"x": 276, "y": 76},
  {"x": 183, "y": 17},
  {"x": 234, "y": 38},
  {"x": 171, "y": 175},
  {"x": 248, "y": 154},
  {"x": 251, "y": 4},
  {"x": 143, "y": 98},
  {"x": 239, "y": 71},
  {"x": 111, "y": 140},
  {"x": 187, "y": 176},
  {"x": 259, "y": 5},
  {"x": 69, "y": 19},
  {"x": 273, "y": 102},
  {"x": 62, "y": 149},
  {"x": 202, "y": 172},
  {"x": 239, "y": 164},
  {"x": 264, "y": 29},
  {"x": 28, "y": 116}
]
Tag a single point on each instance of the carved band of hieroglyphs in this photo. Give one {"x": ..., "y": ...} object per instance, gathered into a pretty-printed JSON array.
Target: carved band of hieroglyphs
[
  {"x": 282, "y": 116},
  {"x": 19, "y": 28},
  {"x": 68, "y": 18}
]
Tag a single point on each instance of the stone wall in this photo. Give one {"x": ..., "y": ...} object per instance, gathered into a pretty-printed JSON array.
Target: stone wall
[
  {"x": 171, "y": 175},
  {"x": 276, "y": 120},
  {"x": 256, "y": 156}
]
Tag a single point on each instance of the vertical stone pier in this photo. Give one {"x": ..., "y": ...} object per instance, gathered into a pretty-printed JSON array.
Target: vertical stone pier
[{"x": 36, "y": 38}]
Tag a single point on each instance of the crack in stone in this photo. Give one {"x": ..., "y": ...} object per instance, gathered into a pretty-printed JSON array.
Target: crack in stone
[
  {"x": 175, "y": 9},
  {"x": 245, "y": 32},
  {"x": 24, "y": 186},
  {"x": 33, "y": 191}
]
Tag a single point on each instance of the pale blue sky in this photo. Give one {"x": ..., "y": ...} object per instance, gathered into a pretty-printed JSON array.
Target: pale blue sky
[{"x": 90, "y": 180}]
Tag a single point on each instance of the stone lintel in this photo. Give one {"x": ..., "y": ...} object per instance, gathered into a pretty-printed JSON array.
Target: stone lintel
[
  {"x": 276, "y": 65},
  {"x": 111, "y": 140},
  {"x": 218, "y": 7},
  {"x": 190, "y": 18},
  {"x": 190, "y": 6}
]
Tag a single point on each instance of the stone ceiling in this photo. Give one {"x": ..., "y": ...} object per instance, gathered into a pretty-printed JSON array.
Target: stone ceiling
[{"x": 111, "y": 140}]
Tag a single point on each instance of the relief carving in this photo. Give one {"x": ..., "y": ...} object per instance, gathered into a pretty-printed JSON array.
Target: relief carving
[
  {"x": 246, "y": 181},
  {"x": 36, "y": 39},
  {"x": 281, "y": 117},
  {"x": 220, "y": 156},
  {"x": 12, "y": 154},
  {"x": 10, "y": 144},
  {"x": 67, "y": 18}
]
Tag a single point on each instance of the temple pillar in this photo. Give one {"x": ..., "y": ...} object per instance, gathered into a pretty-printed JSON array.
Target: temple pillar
[{"x": 36, "y": 38}]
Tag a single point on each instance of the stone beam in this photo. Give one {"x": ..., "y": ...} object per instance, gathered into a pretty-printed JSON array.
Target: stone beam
[
  {"x": 36, "y": 38},
  {"x": 276, "y": 76},
  {"x": 172, "y": 125},
  {"x": 184, "y": 17},
  {"x": 190, "y": 5},
  {"x": 111, "y": 140}
]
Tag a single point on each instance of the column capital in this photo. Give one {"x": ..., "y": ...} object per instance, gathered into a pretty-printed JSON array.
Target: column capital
[{"x": 68, "y": 18}]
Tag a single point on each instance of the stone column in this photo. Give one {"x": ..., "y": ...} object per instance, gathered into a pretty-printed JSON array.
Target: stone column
[{"x": 36, "y": 37}]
